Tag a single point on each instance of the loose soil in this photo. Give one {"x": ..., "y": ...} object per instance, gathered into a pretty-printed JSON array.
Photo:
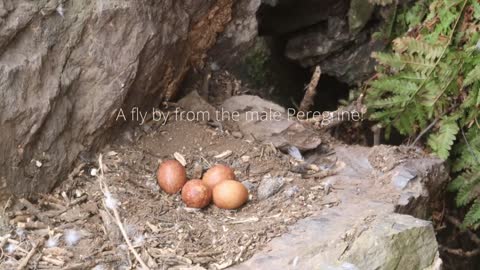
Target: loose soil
[{"x": 166, "y": 233}]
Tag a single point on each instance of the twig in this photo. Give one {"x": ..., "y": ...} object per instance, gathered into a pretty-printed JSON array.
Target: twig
[
  {"x": 332, "y": 119},
  {"x": 376, "y": 130},
  {"x": 105, "y": 191},
  {"x": 458, "y": 224},
  {"x": 425, "y": 131},
  {"x": 308, "y": 99},
  {"x": 4, "y": 240},
  {"x": 461, "y": 252},
  {"x": 23, "y": 264}
]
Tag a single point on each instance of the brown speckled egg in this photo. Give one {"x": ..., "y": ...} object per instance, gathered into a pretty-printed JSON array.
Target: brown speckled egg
[
  {"x": 171, "y": 176},
  {"x": 196, "y": 194},
  {"x": 217, "y": 174},
  {"x": 230, "y": 194}
]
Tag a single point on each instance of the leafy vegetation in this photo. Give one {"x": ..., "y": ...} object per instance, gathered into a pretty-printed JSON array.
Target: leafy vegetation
[
  {"x": 429, "y": 85},
  {"x": 257, "y": 63}
]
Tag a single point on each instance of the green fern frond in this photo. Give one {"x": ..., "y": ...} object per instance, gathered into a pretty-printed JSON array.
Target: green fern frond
[
  {"x": 412, "y": 46},
  {"x": 421, "y": 80},
  {"x": 472, "y": 76},
  {"x": 441, "y": 142},
  {"x": 465, "y": 184},
  {"x": 468, "y": 152},
  {"x": 476, "y": 10},
  {"x": 472, "y": 218},
  {"x": 387, "y": 59}
]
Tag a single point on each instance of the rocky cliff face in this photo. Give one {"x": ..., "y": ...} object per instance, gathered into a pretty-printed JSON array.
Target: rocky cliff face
[
  {"x": 333, "y": 34},
  {"x": 67, "y": 66}
]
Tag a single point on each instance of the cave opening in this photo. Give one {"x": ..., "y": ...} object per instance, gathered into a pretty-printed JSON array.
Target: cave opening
[
  {"x": 290, "y": 78},
  {"x": 281, "y": 21}
]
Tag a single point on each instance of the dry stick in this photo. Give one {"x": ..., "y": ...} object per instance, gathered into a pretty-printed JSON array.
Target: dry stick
[
  {"x": 458, "y": 224},
  {"x": 337, "y": 117},
  {"x": 461, "y": 252},
  {"x": 425, "y": 131},
  {"x": 30, "y": 254},
  {"x": 308, "y": 101},
  {"x": 105, "y": 191},
  {"x": 377, "y": 130}
]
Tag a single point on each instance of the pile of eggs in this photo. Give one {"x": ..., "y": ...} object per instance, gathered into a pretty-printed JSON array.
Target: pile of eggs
[{"x": 218, "y": 184}]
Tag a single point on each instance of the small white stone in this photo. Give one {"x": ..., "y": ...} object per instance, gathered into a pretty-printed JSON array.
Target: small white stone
[
  {"x": 38, "y": 164},
  {"x": 93, "y": 172},
  {"x": 60, "y": 10}
]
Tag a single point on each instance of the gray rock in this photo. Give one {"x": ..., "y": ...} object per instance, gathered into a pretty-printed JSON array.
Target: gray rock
[
  {"x": 289, "y": 16},
  {"x": 291, "y": 191},
  {"x": 270, "y": 123},
  {"x": 65, "y": 74},
  {"x": 363, "y": 231},
  {"x": 271, "y": 2},
  {"x": 359, "y": 14},
  {"x": 269, "y": 186},
  {"x": 193, "y": 102},
  {"x": 402, "y": 177},
  {"x": 340, "y": 53},
  {"x": 395, "y": 240},
  {"x": 249, "y": 185}
]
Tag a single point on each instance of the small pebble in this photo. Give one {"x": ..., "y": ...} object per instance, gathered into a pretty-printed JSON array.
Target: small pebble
[
  {"x": 249, "y": 185},
  {"x": 269, "y": 186},
  {"x": 38, "y": 164},
  {"x": 237, "y": 134},
  {"x": 291, "y": 191},
  {"x": 245, "y": 159}
]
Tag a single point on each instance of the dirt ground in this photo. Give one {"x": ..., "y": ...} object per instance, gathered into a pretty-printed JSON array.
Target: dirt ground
[{"x": 74, "y": 229}]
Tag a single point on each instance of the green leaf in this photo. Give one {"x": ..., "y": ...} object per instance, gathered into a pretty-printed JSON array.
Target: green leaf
[
  {"x": 476, "y": 9},
  {"x": 441, "y": 142},
  {"x": 472, "y": 76},
  {"x": 472, "y": 218}
]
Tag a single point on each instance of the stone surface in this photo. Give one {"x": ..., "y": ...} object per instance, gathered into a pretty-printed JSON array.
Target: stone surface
[
  {"x": 268, "y": 122},
  {"x": 193, "y": 102},
  {"x": 395, "y": 241},
  {"x": 339, "y": 51},
  {"x": 289, "y": 16},
  {"x": 269, "y": 186},
  {"x": 239, "y": 34},
  {"x": 361, "y": 230},
  {"x": 333, "y": 34},
  {"x": 66, "y": 67}
]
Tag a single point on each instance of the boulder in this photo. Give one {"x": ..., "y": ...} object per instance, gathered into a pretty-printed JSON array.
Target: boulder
[
  {"x": 68, "y": 67},
  {"x": 267, "y": 122},
  {"x": 361, "y": 228}
]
